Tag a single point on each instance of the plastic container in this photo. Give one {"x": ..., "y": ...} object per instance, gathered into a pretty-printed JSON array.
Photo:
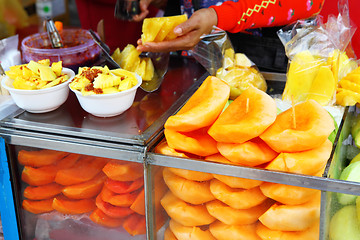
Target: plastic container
[{"x": 79, "y": 49}]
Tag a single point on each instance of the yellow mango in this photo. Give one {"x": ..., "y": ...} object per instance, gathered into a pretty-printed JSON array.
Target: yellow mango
[
  {"x": 323, "y": 86},
  {"x": 302, "y": 71},
  {"x": 345, "y": 97}
]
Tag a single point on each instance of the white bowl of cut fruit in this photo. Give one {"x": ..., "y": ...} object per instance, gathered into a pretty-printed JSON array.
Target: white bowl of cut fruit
[
  {"x": 103, "y": 92},
  {"x": 38, "y": 87}
]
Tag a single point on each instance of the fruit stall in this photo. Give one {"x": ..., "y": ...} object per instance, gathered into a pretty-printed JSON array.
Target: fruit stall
[{"x": 155, "y": 147}]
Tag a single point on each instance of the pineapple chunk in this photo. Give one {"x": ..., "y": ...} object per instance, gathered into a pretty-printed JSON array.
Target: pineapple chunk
[
  {"x": 176, "y": 20},
  {"x": 57, "y": 68},
  {"x": 151, "y": 28},
  {"x": 241, "y": 60},
  {"x": 141, "y": 69},
  {"x": 125, "y": 84},
  {"x": 46, "y": 73},
  {"x": 150, "y": 70}
]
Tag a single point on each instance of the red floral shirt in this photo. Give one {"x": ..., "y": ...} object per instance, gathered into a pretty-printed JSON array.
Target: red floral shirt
[{"x": 247, "y": 14}]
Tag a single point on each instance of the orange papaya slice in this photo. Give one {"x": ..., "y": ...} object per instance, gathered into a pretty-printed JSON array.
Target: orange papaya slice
[
  {"x": 42, "y": 192},
  {"x": 202, "y": 108},
  {"x": 39, "y": 176},
  {"x": 182, "y": 232},
  {"x": 222, "y": 231},
  {"x": 135, "y": 224},
  {"x": 232, "y": 216},
  {"x": 193, "y": 192},
  {"x": 111, "y": 210},
  {"x": 38, "y": 206},
  {"x": 250, "y": 153},
  {"x": 124, "y": 187},
  {"x": 185, "y": 213},
  {"x": 85, "y": 169},
  {"x": 46, "y": 174},
  {"x": 236, "y": 197},
  {"x": 287, "y": 194},
  {"x": 119, "y": 200},
  {"x": 99, "y": 217},
  {"x": 138, "y": 205},
  {"x": 266, "y": 233},
  {"x": 300, "y": 217},
  {"x": 307, "y": 162},
  {"x": 40, "y": 158},
  {"x": 191, "y": 175},
  {"x": 70, "y": 206},
  {"x": 123, "y": 171},
  {"x": 245, "y": 118},
  {"x": 313, "y": 125},
  {"x": 88, "y": 189},
  {"x": 197, "y": 142},
  {"x": 168, "y": 234}
]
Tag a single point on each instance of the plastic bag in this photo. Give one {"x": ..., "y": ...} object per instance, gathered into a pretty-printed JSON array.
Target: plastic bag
[
  {"x": 317, "y": 57},
  {"x": 216, "y": 53}
]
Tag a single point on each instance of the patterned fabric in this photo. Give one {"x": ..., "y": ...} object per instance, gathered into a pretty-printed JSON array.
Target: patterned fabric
[{"x": 250, "y": 14}]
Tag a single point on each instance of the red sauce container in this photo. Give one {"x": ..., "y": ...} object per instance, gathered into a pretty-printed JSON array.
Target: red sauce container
[{"x": 79, "y": 49}]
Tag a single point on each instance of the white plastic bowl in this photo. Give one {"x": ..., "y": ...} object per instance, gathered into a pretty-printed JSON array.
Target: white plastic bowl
[
  {"x": 42, "y": 100},
  {"x": 108, "y": 105}
]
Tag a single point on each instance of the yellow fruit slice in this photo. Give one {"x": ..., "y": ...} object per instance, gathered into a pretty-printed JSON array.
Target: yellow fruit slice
[
  {"x": 302, "y": 71},
  {"x": 182, "y": 232},
  {"x": 323, "y": 86},
  {"x": 150, "y": 28},
  {"x": 176, "y": 20}
]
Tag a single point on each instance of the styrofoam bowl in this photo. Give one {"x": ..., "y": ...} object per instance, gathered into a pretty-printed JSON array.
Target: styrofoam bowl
[
  {"x": 42, "y": 100},
  {"x": 108, "y": 105}
]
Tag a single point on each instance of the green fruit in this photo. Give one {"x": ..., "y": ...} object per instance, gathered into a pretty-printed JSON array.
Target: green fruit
[
  {"x": 350, "y": 173},
  {"x": 355, "y": 131},
  {"x": 344, "y": 224}
]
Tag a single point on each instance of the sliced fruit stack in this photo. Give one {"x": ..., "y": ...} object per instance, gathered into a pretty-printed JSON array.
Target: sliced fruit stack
[
  {"x": 67, "y": 183},
  {"x": 248, "y": 133},
  {"x": 315, "y": 77},
  {"x": 111, "y": 191}
]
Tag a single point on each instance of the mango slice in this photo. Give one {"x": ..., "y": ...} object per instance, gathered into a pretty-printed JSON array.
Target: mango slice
[
  {"x": 168, "y": 234},
  {"x": 245, "y": 118},
  {"x": 313, "y": 125},
  {"x": 203, "y": 107},
  {"x": 191, "y": 175},
  {"x": 236, "y": 182},
  {"x": 323, "y": 87}
]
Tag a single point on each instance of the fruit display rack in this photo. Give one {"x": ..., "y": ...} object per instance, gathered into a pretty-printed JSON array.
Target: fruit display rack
[{"x": 131, "y": 138}]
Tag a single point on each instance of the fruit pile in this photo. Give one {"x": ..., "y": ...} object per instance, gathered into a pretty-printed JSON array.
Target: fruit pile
[
  {"x": 129, "y": 59},
  {"x": 111, "y": 192},
  {"x": 314, "y": 77},
  {"x": 248, "y": 133}
]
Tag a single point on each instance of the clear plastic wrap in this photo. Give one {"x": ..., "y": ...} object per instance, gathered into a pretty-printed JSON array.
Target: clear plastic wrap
[
  {"x": 216, "y": 54},
  {"x": 318, "y": 58}
]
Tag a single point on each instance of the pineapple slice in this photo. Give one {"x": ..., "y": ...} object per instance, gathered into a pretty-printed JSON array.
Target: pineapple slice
[
  {"x": 151, "y": 28},
  {"x": 141, "y": 69},
  {"x": 46, "y": 73},
  {"x": 150, "y": 70},
  {"x": 159, "y": 29},
  {"x": 57, "y": 68}
]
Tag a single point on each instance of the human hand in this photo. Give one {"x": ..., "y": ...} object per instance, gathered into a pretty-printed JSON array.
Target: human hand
[
  {"x": 189, "y": 33},
  {"x": 144, "y": 8}
]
